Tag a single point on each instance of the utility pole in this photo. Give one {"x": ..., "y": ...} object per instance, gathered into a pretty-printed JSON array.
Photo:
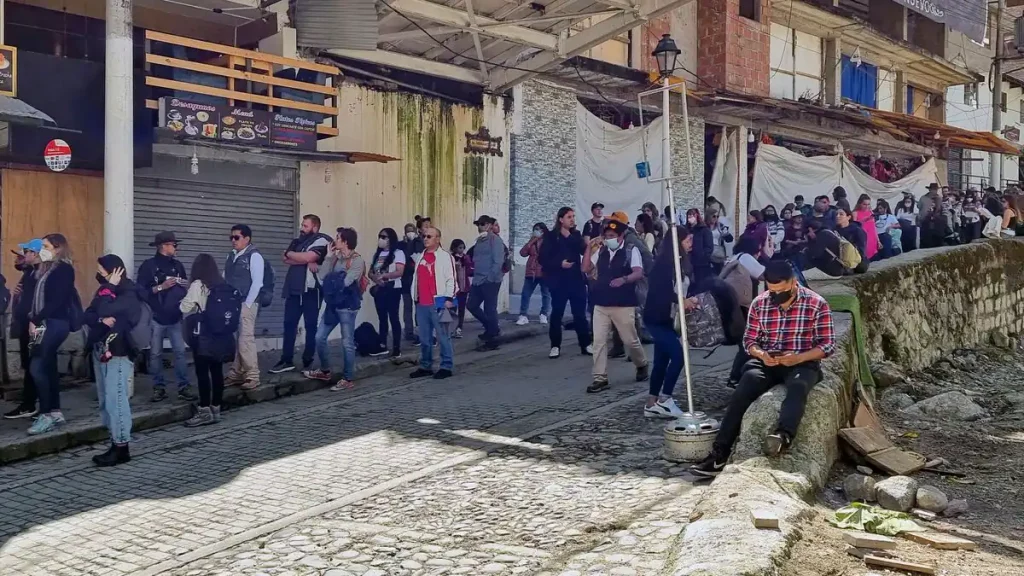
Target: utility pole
[
  {"x": 995, "y": 167},
  {"x": 118, "y": 142}
]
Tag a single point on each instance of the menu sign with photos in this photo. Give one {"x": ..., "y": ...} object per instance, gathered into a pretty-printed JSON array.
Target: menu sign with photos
[
  {"x": 245, "y": 125},
  {"x": 9, "y": 71},
  {"x": 293, "y": 131},
  {"x": 190, "y": 118}
]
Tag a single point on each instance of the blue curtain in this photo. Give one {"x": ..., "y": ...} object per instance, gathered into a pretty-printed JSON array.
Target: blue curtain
[
  {"x": 910, "y": 100},
  {"x": 860, "y": 83}
]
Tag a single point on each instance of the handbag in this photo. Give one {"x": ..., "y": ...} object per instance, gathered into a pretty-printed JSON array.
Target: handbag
[{"x": 704, "y": 323}]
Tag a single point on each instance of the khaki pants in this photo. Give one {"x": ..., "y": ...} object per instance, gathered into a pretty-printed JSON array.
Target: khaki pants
[
  {"x": 622, "y": 318},
  {"x": 246, "y": 366}
]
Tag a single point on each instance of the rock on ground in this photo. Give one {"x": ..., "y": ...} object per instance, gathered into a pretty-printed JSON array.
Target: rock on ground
[
  {"x": 886, "y": 374},
  {"x": 892, "y": 397},
  {"x": 932, "y": 499},
  {"x": 949, "y": 406},
  {"x": 896, "y": 493},
  {"x": 859, "y": 487},
  {"x": 955, "y": 508}
]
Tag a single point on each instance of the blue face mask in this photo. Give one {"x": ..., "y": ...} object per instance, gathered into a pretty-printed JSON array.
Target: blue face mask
[{"x": 612, "y": 243}]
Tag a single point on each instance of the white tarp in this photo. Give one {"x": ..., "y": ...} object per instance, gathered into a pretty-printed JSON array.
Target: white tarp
[
  {"x": 606, "y": 158},
  {"x": 780, "y": 175},
  {"x": 724, "y": 180}
]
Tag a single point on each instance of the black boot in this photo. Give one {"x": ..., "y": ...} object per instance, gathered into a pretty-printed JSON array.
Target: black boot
[{"x": 117, "y": 454}]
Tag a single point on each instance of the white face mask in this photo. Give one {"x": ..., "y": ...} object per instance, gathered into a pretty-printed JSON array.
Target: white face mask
[
  {"x": 410, "y": 235},
  {"x": 612, "y": 243},
  {"x": 538, "y": 233},
  {"x": 45, "y": 255},
  {"x": 691, "y": 221},
  {"x": 382, "y": 244}
]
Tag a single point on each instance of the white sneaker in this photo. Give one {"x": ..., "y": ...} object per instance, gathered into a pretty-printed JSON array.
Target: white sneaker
[
  {"x": 555, "y": 352},
  {"x": 523, "y": 321},
  {"x": 544, "y": 319},
  {"x": 590, "y": 349},
  {"x": 663, "y": 409}
]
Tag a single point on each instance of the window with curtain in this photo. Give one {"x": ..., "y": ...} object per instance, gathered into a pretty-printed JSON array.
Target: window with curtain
[{"x": 860, "y": 83}]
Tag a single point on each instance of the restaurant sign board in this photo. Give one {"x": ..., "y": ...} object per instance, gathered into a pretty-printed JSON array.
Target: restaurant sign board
[
  {"x": 9, "y": 71},
  {"x": 218, "y": 122}
]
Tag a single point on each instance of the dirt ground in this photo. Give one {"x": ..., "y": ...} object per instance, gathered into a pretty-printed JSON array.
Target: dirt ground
[{"x": 989, "y": 452}]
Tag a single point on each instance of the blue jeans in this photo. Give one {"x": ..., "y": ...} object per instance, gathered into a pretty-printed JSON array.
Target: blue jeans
[
  {"x": 44, "y": 364},
  {"x": 429, "y": 323},
  {"x": 347, "y": 320},
  {"x": 545, "y": 296},
  {"x": 668, "y": 359},
  {"x": 156, "y": 351},
  {"x": 112, "y": 390}
]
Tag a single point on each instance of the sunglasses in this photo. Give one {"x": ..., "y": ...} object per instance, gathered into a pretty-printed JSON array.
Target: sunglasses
[{"x": 236, "y": 237}]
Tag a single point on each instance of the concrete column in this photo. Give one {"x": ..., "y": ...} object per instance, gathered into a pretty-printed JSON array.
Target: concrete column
[
  {"x": 899, "y": 92},
  {"x": 833, "y": 71},
  {"x": 118, "y": 144}
]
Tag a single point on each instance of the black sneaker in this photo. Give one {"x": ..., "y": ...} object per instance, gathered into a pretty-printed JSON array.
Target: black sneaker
[
  {"x": 378, "y": 353},
  {"x": 159, "y": 395},
  {"x": 711, "y": 466},
  {"x": 21, "y": 412},
  {"x": 643, "y": 373},
  {"x": 282, "y": 367},
  {"x": 442, "y": 374},
  {"x": 775, "y": 444},
  {"x": 421, "y": 373},
  {"x": 597, "y": 386},
  {"x": 187, "y": 395},
  {"x": 488, "y": 346}
]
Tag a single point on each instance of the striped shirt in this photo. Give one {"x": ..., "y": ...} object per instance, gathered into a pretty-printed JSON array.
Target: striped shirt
[{"x": 805, "y": 325}]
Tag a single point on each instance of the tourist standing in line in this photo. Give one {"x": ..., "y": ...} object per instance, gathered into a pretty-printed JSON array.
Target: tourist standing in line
[
  {"x": 668, "y": 350},
  {"x": 488, "y": 263},
  {"x": 906, "y": 213},
  {"x": 342, "y": 278},
  {"x": 434, "y": 284},
  {"x": 560, "y": 260},
  {"x": 386, "y": 272},
  {"x": 823, "y": 213},
  {"x": 21, "y": 308},
  {"x": 1012, "y": 217},
  {"x": 534, "y": 278},
  {"x": 54, "y": 305},
  {"x": 409, "y": 244},
  {"x": 618, "y": 268},
  {"x": 789, "y": 332},
  {"x": 113, "y": 312},
  {"x": 720, "y": 236},
  {"x": 593, "y": 226},
  {"x": 163, "y": 284},
  {"x": 703, "y": 247},
  {"x": 208, "y": 349},
  {"x": 302, "y": 292},
  {"x": 245, "y": 271},
  {"x": 463, "y": 279}
]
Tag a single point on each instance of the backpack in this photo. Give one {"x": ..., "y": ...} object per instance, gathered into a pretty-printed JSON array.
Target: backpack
[
  {"x": 223, "y": 311},
  {"x": 506, "y": 266},
  {"x": 266, "y": 295},
  {"x": 367, "y": 340},
  {"x": 363, "y": 280},
  {"x": 849, "y": 256},
  {"x": 140, "y": 335},
  {"x": 645, "y": 253}
]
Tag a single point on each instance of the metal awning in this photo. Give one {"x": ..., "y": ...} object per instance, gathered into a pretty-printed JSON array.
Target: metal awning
[
  {"x": 497, "y": 43},
  {"x": 15, "y": 111}
]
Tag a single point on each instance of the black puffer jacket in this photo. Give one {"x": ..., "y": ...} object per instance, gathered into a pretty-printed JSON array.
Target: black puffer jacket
[{"x": 119, "y": 302}]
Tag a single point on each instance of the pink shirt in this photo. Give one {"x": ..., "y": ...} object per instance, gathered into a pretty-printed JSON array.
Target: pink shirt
[{"x": 867, "y": 221}]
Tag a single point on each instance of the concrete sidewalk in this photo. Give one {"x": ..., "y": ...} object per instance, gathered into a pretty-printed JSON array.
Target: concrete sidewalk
[{"x": 78, "y": 398}]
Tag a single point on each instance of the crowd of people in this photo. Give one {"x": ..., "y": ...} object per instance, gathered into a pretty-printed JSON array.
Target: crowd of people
[{"x": 616, "y": 275}]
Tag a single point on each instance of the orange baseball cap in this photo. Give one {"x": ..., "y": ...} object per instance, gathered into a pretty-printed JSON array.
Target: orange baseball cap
[{"x": 620, "y": 216}]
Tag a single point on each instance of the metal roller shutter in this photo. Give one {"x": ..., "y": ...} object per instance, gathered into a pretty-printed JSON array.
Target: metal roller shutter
[{"x": 201, "y": 210}]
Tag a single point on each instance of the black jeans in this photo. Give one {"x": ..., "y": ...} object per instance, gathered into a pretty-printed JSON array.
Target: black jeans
[
  {"x": 908, "y": 238},
  {"x": 387, "y": 299},
  {"x": 210, "y": 378},
  {"x": 307, "y": 307},
  {"x": 28, "y": 393},
  {"x": 576, "y": 297},
  {"x": 758, "y": 379},
  {"x": 483, "y": 305},
  {"x": 44, "y": 365}
]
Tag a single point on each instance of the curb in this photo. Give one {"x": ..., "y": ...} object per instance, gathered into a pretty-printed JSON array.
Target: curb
[{"x": 81, "y": 432}]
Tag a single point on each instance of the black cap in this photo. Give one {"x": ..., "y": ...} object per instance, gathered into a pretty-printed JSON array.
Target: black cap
[
  {"x": 615, "y": 226},
  {"x": 596, "y": 205},
  {"x": 484, "y": 219},
  {"x": 933, "y": 186},
  {"x": 164, "y": 238}
]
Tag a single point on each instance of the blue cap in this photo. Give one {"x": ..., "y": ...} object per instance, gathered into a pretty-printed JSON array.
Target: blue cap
[{"x": 35, "y": 245}]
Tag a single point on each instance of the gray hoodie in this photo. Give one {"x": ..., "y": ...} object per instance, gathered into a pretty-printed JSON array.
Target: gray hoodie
[{"x": 488, "y": 259}]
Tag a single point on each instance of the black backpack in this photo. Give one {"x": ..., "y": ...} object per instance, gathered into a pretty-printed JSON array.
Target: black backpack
[
  {"x": 367, "y": 340},
  {"x": 223, "y": 310},
  {"x": 266, "y": 295}
]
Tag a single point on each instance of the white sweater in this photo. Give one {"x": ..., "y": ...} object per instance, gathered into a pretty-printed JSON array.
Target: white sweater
[{"x": 444, "y": 273}]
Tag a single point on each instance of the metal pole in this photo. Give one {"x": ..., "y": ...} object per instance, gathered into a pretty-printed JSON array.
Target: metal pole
[
  {"x": 995, "y": 167},
  {"x": 118, "y": 142},
  {"x": 666, "y": 173}
]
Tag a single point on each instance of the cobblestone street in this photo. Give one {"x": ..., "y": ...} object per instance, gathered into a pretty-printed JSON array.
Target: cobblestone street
[{"x": 508, "y": 468}]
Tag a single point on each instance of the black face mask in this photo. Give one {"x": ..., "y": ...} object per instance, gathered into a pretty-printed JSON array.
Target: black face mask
[
  {"x": 101, "y": 278},
  {"x": 780, "y": 298}
]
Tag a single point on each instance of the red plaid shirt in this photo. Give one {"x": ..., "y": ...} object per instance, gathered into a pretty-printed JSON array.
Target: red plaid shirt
[{"x": 805, "y": 325}]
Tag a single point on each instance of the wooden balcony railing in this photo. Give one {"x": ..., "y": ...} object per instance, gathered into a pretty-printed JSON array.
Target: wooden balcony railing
[{"x": 249, "y": 78}]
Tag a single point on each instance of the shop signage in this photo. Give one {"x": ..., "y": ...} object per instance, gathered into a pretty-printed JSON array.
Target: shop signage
[
  {"x": 237, "y": 124},
  {"x": 481, "y": 142},
  {"x": 967, "y": 16},
  {"x": 1012, "y": 133},
  {"x": 9, "y": 71},
  {"x": 57, "y": 155}
]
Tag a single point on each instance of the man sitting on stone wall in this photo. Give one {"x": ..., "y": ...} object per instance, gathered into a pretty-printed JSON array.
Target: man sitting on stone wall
[{"x": 789, "y": 331}]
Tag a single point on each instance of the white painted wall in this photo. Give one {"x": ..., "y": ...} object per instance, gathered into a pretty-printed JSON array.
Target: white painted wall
[{"x": 978, "y": 117}]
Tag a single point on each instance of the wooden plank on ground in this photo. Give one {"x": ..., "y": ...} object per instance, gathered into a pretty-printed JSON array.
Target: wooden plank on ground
[
  {"x": 868, "y": 540},
  {"x": 764, "y": 519},
  {"x": 941, "y": 541},
  {"x": 897, "y": 564},
  {"x": 865, "y": 440},
  {"x": 897, "y": 462}
]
